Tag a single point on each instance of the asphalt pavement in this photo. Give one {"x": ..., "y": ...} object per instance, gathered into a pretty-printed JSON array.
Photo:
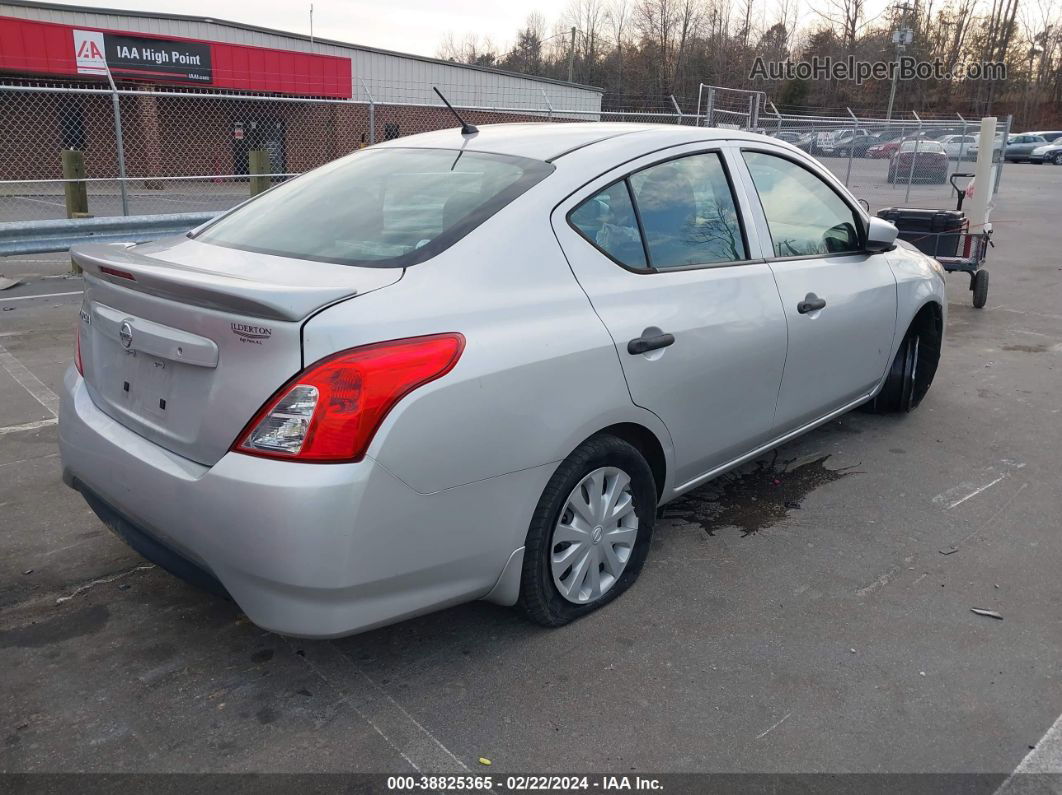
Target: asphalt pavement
[{"x": 809, "y": 613}]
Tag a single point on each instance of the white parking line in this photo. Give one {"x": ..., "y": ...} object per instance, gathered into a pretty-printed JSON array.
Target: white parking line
[
  {"x": 45, "y": 295},
  {"x": 28, "y": 381},
  {"x": 947, "y": 498},
  {"x": 773, "y": 726},
  {"x": 1045, "y": 757},
  {"x": 975, "y": 492},
  {"x": 39, "y": 201},
  {"x": 27, "y": 426},
  {"x": 418, "y": 746}
]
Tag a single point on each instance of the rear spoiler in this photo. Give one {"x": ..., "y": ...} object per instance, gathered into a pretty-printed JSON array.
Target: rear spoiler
[{"x": 120, "y": 265}]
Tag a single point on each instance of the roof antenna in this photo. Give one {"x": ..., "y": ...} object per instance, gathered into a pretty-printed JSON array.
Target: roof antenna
[{"x": 466, "y": 128}]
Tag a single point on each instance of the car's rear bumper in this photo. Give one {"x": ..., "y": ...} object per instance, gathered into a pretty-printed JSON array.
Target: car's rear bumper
[{"x": 316, "y": 550}]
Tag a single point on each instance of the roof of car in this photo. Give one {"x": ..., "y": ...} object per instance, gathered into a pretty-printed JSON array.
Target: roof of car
[{"x": 551, "y": 140}]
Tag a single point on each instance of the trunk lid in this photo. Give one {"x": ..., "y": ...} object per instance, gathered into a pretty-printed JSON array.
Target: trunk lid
[{"x": 182, "y": 342}]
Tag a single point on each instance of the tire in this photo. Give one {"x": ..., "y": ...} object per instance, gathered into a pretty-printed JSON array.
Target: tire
[
  {"x": 979, "y": 285},
  {"x": 541, "y": 598},
  {"x": 1057, "y": 159},
  {"x": 910, "y": 375}
]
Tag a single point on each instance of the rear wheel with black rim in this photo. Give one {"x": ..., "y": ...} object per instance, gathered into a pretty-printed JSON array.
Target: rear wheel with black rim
[
  {"x": 590, "y": 532},
  {"x": 979, "y": 285}
]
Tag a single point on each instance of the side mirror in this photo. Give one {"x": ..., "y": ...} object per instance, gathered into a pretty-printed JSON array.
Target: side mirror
[{"x": 881, "y": 235}]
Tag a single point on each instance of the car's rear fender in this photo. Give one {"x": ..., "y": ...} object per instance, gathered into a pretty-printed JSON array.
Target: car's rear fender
[{"x": 538, "y": 374}]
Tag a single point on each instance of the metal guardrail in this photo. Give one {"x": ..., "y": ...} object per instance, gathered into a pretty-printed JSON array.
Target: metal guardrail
[{"x": 41, "y": 237}]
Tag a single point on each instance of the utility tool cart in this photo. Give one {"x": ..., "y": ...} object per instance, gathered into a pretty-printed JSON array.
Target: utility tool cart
[{"x": 946, "y": 235}]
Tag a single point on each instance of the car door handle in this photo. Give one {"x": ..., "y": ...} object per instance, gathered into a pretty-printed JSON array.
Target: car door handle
[
  {"x": 645, "y": 344},
  {"x": 811, "y": 303}
]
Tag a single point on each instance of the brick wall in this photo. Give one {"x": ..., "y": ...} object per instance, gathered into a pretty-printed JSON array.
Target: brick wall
[
  {"x": 185, "y": 136},
  {"x": 35, "y": 127}
]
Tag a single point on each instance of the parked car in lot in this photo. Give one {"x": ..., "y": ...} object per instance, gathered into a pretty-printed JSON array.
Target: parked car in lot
[
  {"x": 789, "y": 136},
  {"x": 826, "y": 140},
  {"x": 883, "y": 150},
  {"x": 997, "y": 148},
  {"x": 956, "y": 146},
  {"x": 1049, "y": 135},
  {"x": 1019, "y": 147},
  {"x": 806, "y": 142},
  {"x": 889, "y": 145},
  {"x": 459, "y": 366},
  {"x": 919, "y": 161},
  {"x": 1048, "y": 153},
  {"x": 855, "y": 145}
]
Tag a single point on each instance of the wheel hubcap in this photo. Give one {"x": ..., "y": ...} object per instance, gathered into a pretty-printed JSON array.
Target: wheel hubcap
[{"x": 594, "y": 537}]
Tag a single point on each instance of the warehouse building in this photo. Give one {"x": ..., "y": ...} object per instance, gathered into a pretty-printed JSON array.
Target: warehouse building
[{"x": 170, "y": 60}]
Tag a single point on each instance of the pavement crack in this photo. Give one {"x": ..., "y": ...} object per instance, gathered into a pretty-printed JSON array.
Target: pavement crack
[{"x": 102, "y": 581}]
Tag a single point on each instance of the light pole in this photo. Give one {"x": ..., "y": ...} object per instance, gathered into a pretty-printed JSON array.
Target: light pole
[
  {"x": 901, "y": 37},
  {"x": 571, "y": 57}
]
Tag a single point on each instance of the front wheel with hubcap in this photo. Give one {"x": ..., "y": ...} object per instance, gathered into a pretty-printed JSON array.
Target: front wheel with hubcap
[
  {"x": 590, "y": 533},
  {"x": 1057, "y": 159}
]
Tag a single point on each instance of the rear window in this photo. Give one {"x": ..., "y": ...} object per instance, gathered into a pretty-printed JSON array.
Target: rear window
[
  {"x": 379, "y": 207},
  {"x": 922, "y": 146}
]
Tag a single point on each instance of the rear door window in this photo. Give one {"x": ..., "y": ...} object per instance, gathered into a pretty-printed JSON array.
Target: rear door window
[
  {"x": 688, "y": 213},
  {"x": 380, "y": 207},
  {"x": 608, "y": 221},
  {"x": 675, "y": 214}
]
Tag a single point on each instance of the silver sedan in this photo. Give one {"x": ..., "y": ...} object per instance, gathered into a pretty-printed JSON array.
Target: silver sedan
[{"x": 463, "y": 366}]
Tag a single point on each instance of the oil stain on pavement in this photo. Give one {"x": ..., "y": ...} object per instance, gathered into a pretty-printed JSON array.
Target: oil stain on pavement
[{"x": 755, "y": 496}]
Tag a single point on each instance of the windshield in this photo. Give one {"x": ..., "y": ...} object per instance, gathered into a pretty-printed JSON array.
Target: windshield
[{"x": 379, "y": 207}]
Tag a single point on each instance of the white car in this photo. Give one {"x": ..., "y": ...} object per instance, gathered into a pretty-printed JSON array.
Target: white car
[
  {"x": 471, "y": 365},
  {"x": 957, "y": 146},
  {"x": 997, "y": 147}
]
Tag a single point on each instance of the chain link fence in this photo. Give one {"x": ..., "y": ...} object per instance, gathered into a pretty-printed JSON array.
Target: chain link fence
[
  {"x": 148, "y": 151},
  {"x": 892, "y": 162}
]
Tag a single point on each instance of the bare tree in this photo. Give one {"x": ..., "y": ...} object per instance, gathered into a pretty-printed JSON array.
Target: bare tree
[
  {"x": 472, "y": 49},
  {"x": 588, "y": 17},
  {"x": 617, "y": 20},
  {"x": 844, "y": 17},
  {"x": 690, "y": 19},
  {"x": 654, "y": 48},
  {"x": 657, "y": 22}
]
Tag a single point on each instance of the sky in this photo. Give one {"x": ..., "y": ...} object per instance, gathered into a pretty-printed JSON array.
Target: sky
[{"x": 413, "y": 26}]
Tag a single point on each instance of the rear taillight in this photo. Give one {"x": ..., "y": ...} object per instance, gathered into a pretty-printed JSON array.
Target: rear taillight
[
  {"x": 330, "y": 411},
  {"x": 77, "y": 350}
]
